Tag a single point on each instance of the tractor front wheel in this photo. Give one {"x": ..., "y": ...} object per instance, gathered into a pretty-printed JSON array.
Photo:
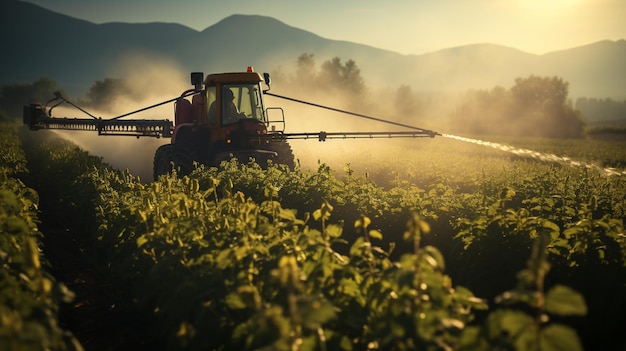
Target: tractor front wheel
[
  {"x": 163, "y": 160},
  {"x": 176, "y": 157}
]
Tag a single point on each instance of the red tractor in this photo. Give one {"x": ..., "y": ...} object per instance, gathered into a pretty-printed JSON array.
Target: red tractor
[
  {"x": 221, "y": 118},
  {"x": 226, "y": 119}
]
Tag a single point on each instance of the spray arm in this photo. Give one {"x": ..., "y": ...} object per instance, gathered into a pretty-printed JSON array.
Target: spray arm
[
  {"x": 183, "y": 95},
  {"x": 430, "y": 133},
  {"x": 58, "y": 96},
  {"x": 40, "y": 117}
]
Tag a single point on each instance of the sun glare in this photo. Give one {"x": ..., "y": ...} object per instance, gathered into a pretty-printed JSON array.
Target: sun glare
[{"x": 549, "y": 5}]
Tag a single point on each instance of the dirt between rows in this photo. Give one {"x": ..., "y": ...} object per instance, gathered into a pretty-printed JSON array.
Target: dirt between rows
[{"x": 97, "y": 316}]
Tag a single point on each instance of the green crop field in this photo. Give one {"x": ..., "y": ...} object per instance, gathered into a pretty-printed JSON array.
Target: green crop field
[{"x": 437, "y": 244}]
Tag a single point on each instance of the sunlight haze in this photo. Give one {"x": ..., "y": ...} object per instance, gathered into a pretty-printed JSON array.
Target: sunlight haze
[{"x": 407, "y": 27}]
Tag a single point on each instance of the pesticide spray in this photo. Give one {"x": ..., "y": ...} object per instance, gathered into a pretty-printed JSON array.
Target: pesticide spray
[
  {"x": 545, "y": 157},
  {"x": 526, "y": 153}
]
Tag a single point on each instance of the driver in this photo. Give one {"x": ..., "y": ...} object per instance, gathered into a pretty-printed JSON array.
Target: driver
[{"x": 230, "y": 112}]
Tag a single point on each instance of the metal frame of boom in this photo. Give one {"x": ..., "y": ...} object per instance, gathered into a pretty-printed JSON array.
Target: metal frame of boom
[
  {"x": 135, "y": 127},
  {"x": 322, "y": 136},
  {"x": 40, "y": 117}
]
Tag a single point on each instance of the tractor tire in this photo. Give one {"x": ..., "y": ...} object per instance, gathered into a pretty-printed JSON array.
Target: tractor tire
[
  {"x": 173, "y": 157},
  {"x": 184, "y": 159},
  {"x": 285, "y": 154},
  {"x": 163, "y": 160}
]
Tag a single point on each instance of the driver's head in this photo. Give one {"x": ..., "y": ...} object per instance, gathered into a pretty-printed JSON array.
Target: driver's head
[{"x": 228, "y": 94}]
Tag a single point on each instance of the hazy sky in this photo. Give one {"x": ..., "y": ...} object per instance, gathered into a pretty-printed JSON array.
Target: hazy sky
[{"x": 404, "y": 26}]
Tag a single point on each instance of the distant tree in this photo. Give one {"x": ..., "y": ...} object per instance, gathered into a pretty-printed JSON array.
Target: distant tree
[
  {"x": 602, "y": 111},
  {"x": 330, "y": 73},
  {"x": 306, "y": 71},
  {"x": 344, "y": 83},
  {"x": 102, "y": 93},
  {"x": 346, "y": 78},
  {"x": 541, "y": 102},
  {"x": 334, "y": 82},
  {"x": 405, "y": 103},
  {"x": 14, "y": 97},
  {"x": 534, "y": 106},
  {"x": 351, "y": 77}
]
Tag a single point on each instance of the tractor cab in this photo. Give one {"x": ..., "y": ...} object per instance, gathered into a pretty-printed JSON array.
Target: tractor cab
[
  {"x": 232, "y": 108},
  {"x": 226, "y": 99},
  {"x": 231, "y": 97}
]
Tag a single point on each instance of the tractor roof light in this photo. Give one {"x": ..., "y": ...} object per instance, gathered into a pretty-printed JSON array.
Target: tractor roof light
[{"x": 250, "y": 69}]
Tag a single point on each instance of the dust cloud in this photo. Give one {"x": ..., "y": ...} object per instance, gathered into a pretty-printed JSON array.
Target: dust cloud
[
  {"x": 337, "y": 153},
  {"x": 150, "y": 81},
  {"x": 343, "y": 88}
]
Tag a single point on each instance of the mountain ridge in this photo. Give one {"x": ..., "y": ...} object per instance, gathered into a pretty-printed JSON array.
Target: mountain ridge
[{"x": 76, "y": 53}]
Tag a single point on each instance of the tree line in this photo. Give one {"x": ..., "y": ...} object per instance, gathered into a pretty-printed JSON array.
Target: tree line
[
  {"x": 602, "y": 111},
  {"x": 535, "y": 106}
]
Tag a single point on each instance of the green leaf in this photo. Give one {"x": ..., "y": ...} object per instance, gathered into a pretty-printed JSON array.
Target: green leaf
[
  {"x": 234, "y": 301},
  {"x": 315, "y": 311},
  {"x": 472, "y": 340},
  {"x": 508, "y": 322},
  {"x": 224, "y": 259},
  {"x": 557, "y": 337},
  {"x": 552, "y": 228},
  {"x": 357, "y": 247},
  {"x": 564, "y": 301},
  {"x": 349, "y": 287},
  {"x": 9, "y": 200},
  {"x": 376, "y": 234},
  {"x": 142, "y": 240},
  {"x": 362, "y": 223},
  {"x": 317, "y": 214},
  {"x": 345, "y": 343},
  {"x": 437, "y": 258},
  {"x": 334, "y": 230},
  {"x": 16, "y": 225},
  {"x": 288, "y": 215}
]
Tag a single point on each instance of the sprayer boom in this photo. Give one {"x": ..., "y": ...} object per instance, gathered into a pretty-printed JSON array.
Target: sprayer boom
[
  {"x": 35, "y": 117},
  {"x": 323, "y": 136},
  {"x": 222, "y": 117}
]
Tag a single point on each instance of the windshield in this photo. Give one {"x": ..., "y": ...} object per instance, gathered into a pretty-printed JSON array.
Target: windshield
[{"x": 241, "y": 101}]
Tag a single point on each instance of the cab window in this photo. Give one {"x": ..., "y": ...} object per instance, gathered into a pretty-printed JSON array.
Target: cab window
[
  {"x": 239, "y": 101},
  {"x": 210, "y": 98}
]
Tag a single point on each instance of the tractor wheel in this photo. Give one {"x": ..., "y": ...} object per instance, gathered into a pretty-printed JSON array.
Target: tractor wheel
[
  {"x": 173, "y": 156},
  {"x": 163, "y": 160},
  {"x": 184, "y": 159},
  {"x": 285, "y": 154}
]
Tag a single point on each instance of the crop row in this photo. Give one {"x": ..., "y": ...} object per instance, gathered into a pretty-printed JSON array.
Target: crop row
[{"x": 29, "y": 296}]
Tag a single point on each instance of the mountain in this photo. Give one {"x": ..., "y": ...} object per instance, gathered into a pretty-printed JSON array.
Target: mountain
[
  {"x": 595, "y": 70},
  {"x": 37, "y": 42}
]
